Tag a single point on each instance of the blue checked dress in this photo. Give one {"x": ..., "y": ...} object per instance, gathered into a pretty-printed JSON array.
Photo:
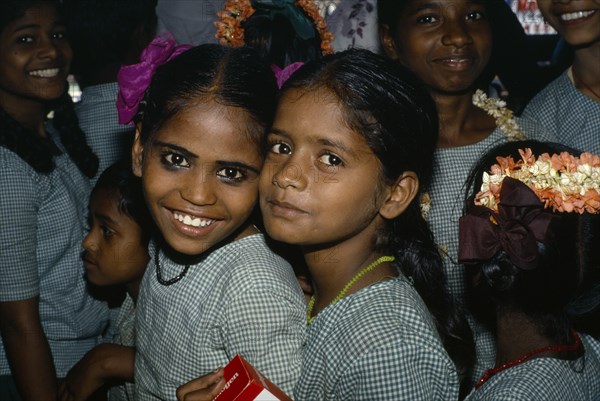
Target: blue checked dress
[
  {"x": 568, "y": 114},
  {"x": 241, "y": 299},
  {"x": 99, "y": 120},
  {"x": 547, "y": 379},
  {"x": 42, "y": 225},
  {"x": 378, "y": 344}
]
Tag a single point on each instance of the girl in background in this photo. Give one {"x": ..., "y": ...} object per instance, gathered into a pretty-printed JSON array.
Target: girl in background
[
  {"x": 116, "y": 255},
  {"x": 452, "y": 45},
  {"x": 48, "y": 321},
  {"x": 213, "y": 288},
  {"x": 529, "y": 238}
]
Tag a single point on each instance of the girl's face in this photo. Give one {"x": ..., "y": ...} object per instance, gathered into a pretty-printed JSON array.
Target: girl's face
[
  {"x": 576, "y": 21},
  {"x": 447, "y": 43},
  {"x": 200, "y": 176},
  {"x": 114, "y": 252},
  {"x": 35, "y": 56},
  {"x": 321, "y": 181}
]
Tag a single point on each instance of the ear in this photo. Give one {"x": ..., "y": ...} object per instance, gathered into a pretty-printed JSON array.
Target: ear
[
  {"x": 400, "y": 195},
  {"x": 387, "y": 42},
  {"x": 137, "y": 151}
]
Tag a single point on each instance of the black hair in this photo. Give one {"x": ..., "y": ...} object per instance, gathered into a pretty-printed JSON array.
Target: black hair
[
  {"x": 563, "y": 291},
  {"x": 120, "y": 179},
  {"x": 276, "y": 40},
  {"x": 231, "y": 76},
  {"x": 390, "y": 107},
  {"x": 511, "y": 58},
  {"x": 26, "y": 143},
  {"x": 102, "y": 32}
]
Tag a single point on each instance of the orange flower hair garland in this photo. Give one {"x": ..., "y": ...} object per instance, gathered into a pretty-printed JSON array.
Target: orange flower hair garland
[
  {"x": 562, "y": 181},
  {"x": 231, "y": 33}
]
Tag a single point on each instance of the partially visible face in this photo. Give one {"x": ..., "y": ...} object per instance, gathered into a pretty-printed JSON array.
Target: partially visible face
[
  {"x": 114, "y": 252},
  {"x": 448, "y": 43},
  {"x": 35, "y": 56},
  {"x": 577, "y": 21},
  {"x": 321, "y": 181},
  {"x": 200, "y": 176}
]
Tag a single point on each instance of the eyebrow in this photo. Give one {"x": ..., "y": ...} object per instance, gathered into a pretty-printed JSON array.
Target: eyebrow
[
  {"x": 183, "y": 151},
  {"x": 322, "y": 141},
  {"x": 106, "y": 219},
  {"x": 220, "y": 163}
]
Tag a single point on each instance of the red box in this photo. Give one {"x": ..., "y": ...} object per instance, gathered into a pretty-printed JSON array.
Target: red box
[{"x": 245, "y": 383}]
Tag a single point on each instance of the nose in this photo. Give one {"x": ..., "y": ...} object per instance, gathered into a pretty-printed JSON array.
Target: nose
[
  {"x": 290, "y": 174},
  {"x": 456, "y": 34},
  {"x": 47, "y": 49},
  {"x": 199, "y": 188},
  {"x": 89, "y": 242}
]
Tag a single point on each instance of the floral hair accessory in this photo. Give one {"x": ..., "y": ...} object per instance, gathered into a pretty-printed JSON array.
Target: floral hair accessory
[
  {"x": 516, "y": 227},
  {"x": 497, "y": 109},
  {"x": 231, "y": 33},
  {"x": 135, "y": 79},
  {"x": 562, "y": 182},
  {"x": 283, "y": 74}
]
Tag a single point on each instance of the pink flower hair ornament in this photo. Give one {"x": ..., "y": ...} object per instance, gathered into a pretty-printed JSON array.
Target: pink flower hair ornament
[{"x": 135, "y": 79}]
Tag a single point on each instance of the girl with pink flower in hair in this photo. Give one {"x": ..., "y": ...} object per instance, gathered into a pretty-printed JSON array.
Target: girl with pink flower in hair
[
  {"x": 213, "y": 288},
  {"x": 529, "y": 239}
]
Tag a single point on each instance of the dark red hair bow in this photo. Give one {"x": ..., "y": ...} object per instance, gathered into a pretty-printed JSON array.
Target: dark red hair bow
[{"x": 519, "y": 224}]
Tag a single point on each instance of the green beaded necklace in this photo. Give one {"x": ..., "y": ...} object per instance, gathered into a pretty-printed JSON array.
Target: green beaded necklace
[{"x": 353, "y": 280}]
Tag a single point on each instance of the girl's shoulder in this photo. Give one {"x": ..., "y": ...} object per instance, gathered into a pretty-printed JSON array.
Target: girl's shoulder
[
  {"x": 250, "y": 261},
  {"x": 547, "y": 378},
  {"x": 17, "y": 173}
]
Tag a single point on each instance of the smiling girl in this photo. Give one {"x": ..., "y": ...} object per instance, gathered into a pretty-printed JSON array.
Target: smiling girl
[
  {"x": 47, "y": 319},
  {"x": 213, "y": 288}
]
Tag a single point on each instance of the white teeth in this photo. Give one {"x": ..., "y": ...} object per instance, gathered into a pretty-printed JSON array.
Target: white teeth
[
  {"x": 576, "y": 15},
  {"x": 192, "y": 221},
  {"x": 49, "y": 73}
]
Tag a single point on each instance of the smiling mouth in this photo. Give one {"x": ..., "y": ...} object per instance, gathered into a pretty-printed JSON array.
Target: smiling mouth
[
  {"x": 46, "y": 73},
  {"x": 567, "y": 17},
  {"x": 191, "y": 220}
]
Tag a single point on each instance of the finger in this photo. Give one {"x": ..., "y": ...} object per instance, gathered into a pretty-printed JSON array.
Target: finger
[
  {"x": 205, "y": 394},
  {"x": 201, "y": 383}
]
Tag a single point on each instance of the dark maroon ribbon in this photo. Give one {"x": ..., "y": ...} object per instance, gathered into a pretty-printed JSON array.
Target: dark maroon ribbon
[{"x": 519, "y": 224}]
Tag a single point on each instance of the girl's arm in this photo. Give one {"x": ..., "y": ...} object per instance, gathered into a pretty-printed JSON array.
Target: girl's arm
[
  {"x": 104, "y": 363},
  {"x": 27, "y": 350}
]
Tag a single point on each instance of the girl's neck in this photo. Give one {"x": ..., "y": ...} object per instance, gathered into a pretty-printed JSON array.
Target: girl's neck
[
  {"x": 29, "y": 113},
  {"x": 517, "y": 335},
  {"x": 585, "y": 69},
  {"x": 133, "y": 289},
  {"x": 332, "y": 268},
  {"x": 461, "y": 122}
]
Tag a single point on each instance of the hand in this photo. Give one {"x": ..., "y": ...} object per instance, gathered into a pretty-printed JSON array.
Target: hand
[
  {"x": 204, "y": 388},
  {"x": 84, "y": 378}
]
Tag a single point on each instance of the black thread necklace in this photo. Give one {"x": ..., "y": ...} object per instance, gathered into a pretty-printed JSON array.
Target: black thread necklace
[{"x": 159, "y": 275}]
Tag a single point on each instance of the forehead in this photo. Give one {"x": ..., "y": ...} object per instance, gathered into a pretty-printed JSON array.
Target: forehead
[
  {"x": 36, "y": 15},
  {"x": 415, "y": 5},
  {"x": 211, "y": 127},
  {"x": 317, "y": 116}
]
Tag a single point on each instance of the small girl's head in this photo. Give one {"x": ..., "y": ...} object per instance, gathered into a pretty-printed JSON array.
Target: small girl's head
[
  {"x": 453, "y": 45},
  {"x": 352, "y": 140},
  {"x": 199, "y": 144},
  {"x": 116, "y": 245},
  {"x": 531, "y": 251}
]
